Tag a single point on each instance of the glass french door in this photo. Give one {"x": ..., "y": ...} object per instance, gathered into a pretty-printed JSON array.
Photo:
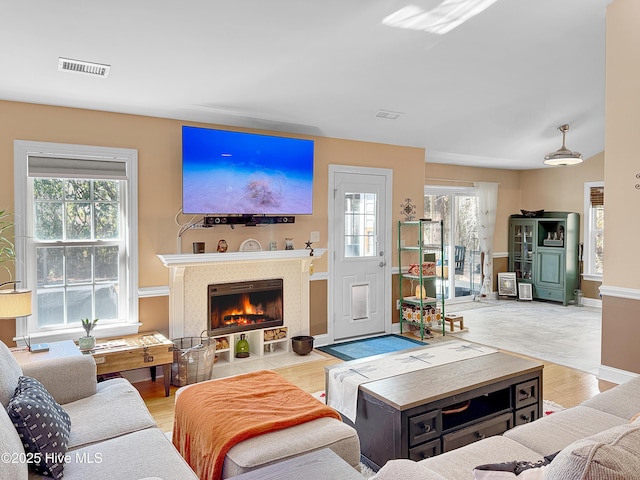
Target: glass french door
[{"x": 461, "y": 265}]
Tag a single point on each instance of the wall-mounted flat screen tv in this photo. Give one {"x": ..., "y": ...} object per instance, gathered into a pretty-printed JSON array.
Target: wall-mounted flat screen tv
[{"x": 229, "y": 173}]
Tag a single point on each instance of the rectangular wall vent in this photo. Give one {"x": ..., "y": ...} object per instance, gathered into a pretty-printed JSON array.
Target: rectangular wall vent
[
  {"x": 78, "y": 66},
  {"x": 389, "y": 115}
]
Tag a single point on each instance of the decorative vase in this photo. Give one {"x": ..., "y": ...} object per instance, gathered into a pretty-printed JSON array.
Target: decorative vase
[
  {"x": 302, "y": 345},
  {"x": 87, "y": 343},
  {"x": 242, "y": 347}
]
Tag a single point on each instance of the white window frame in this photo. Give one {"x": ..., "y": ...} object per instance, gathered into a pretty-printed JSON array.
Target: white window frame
[
  {"x": 588, "y": 235},
  {"x": 25, "y": 269}
]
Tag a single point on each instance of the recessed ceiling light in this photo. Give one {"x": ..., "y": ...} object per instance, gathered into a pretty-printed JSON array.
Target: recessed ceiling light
[
  {"x": 87, "y": 68},
  {"x": 388, "y": 114},
  {"x": 440, "y": 19}
]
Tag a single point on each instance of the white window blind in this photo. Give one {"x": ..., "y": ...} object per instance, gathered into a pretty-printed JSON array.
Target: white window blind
[{"x": 57, "y": 167}]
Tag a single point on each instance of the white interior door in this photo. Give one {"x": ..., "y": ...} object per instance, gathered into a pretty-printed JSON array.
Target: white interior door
[{"x": 360, "y": 247}]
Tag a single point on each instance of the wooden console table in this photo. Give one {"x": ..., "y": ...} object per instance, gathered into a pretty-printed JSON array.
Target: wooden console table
[
  {"x": 147, "y": 349},
  {"x": 423, "y": 413}
]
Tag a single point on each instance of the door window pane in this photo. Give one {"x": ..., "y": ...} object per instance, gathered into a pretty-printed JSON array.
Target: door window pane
[
  {"x": 360, "y": 225},
  {"x": 461, "y": 264},
  {"x": 466, "y": 258}
]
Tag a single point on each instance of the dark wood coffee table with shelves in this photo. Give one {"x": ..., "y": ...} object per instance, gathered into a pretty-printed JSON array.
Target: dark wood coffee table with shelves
[{"x": 424, "y": 413}]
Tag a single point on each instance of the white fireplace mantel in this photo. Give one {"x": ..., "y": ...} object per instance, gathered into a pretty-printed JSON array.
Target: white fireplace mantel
[
  {"x": 190, "y": 275},
  {"x": 187, "y": 259}
]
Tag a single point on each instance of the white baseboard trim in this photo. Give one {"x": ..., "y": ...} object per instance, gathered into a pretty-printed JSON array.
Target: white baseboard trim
[
  {"x": 592, "y": 302},
  {"x": 615, "y": 375},
  {"x": 321, "y": 340}
]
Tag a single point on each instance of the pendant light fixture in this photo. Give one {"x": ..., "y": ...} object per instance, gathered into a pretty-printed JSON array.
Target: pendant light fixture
[{"x": 563, "y": 156}]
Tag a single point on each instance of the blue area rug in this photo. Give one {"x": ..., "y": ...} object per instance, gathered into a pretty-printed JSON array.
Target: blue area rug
[{"x": 367, "y": 347}]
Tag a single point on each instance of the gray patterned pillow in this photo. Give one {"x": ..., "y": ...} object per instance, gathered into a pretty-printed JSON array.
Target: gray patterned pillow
[
  {"x": 612, "y": 454},
  {"x": 43, "y": 426}
]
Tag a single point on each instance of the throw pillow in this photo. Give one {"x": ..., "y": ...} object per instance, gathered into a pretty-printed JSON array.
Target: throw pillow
[
  {"x": 613, "y": 454},
  {"x": 513, "y": 470},
  {"x": 43, "y": 426}
]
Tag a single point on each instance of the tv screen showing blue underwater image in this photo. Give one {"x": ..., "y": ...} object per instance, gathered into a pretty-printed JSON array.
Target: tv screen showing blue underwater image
[{"x": 229, "y": 173}]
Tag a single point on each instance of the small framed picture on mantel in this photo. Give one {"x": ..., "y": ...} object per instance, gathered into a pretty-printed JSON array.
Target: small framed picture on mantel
[{"x": 507, "y": 284}]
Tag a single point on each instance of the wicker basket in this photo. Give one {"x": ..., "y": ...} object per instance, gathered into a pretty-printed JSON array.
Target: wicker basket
[{"x": 193, "y": 359}]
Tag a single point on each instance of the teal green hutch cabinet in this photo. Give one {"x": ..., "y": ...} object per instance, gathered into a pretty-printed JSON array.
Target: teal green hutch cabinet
[{"x": 543, "y": 252}]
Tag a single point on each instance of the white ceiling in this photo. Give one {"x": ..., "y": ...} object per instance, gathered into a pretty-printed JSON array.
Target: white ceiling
[{"x": 491, "y": 93}]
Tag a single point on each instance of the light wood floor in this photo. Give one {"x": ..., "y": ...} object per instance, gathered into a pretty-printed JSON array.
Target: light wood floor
[{"x": 561, "y": 385}]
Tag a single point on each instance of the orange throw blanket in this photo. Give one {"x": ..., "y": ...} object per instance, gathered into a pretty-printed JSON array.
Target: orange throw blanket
[{"x": 212, "y": 417}]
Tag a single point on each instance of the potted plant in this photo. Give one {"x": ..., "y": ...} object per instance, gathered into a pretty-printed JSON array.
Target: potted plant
[
  {"x": 7, "y": 249},
  {"x": 88, "y": 342}
]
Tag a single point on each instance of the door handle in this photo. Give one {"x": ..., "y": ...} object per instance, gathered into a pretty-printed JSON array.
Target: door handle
[{"x": 382, "y": 264}]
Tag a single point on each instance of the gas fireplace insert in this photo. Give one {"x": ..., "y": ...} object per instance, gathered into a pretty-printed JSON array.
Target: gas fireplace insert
[{"x": 242, "y": 306}]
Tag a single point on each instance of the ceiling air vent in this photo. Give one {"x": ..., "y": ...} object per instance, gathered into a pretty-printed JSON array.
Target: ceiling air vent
[
  {"x": 389, "y": 115},
  {"x": 88, "y": 68}
]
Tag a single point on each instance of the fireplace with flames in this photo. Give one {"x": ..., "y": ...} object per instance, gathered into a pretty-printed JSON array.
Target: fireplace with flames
[{"x": 241, "y": 306}]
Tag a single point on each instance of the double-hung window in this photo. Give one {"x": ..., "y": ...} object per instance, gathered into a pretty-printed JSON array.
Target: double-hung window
[
  {"x": 76, "y": 243},
  {"x": 593, "y": 230}
]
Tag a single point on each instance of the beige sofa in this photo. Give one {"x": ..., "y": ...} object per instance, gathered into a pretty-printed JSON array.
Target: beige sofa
[
  {"x": 112, "y": 433},
  {"x": 596, "y": 440}
]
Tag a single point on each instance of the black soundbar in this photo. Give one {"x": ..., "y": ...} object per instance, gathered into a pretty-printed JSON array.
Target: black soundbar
[{"x": 249, "y": 220}]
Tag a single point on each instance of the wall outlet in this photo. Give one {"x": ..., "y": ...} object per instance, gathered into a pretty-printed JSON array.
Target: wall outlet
[
  {"x": 314, "y": 237},
  {"x": 397, "y": 304}
]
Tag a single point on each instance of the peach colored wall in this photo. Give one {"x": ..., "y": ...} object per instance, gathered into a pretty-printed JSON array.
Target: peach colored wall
[
  {"x": 154, "y": 314},
  {"x": 620, "y": 331},
  {"x": 158, "y": 142},
  {"x": 7, "y": 332},
  {"x": 562, "y": 189},
  {"x": 318, "y": 311},
  {"x": 621, "y": 142},
  {"x": 620, "y": 326}
]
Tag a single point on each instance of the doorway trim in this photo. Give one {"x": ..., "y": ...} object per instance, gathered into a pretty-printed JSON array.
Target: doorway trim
[{"x": 387, "y": 173}]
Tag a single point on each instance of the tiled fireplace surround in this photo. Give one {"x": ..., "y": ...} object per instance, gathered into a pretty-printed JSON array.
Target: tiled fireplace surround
[{"x": 191, "y": 274}]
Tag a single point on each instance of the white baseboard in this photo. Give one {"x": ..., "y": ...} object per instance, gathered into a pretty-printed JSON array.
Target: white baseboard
[
  {"x": 615, "y": 375},
  {"x": 592, "y": 302},
  {"x": 321, "y": 340}
]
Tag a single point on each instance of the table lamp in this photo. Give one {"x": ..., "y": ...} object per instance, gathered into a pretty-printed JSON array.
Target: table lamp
[{"x": 14, "y": 303}]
